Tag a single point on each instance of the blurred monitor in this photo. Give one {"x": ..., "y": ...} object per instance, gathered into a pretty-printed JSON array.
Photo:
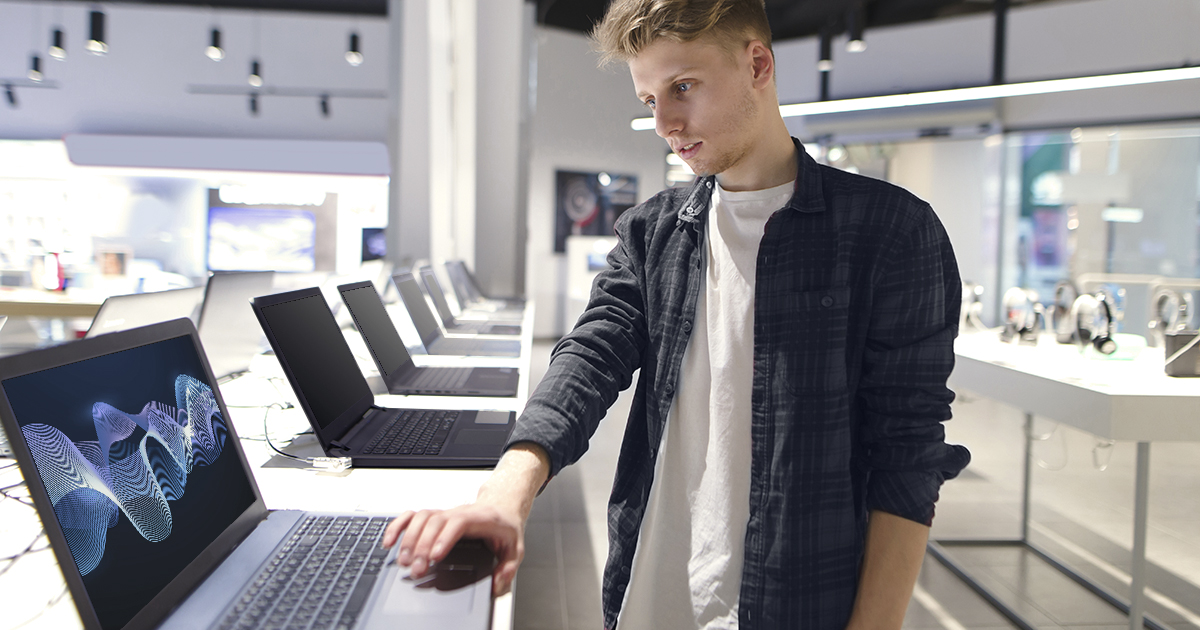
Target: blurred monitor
[
  {"x": 261, "y": 239},
  {"x": 122, "y": 312}
]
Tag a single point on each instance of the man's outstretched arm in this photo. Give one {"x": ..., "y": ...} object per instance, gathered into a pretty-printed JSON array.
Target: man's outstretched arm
[
  {"x": 497, "y": 517},
  {"x": 891, "y": 561}
]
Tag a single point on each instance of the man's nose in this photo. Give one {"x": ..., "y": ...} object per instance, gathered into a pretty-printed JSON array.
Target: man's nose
[{"x": 667, "y": 119}]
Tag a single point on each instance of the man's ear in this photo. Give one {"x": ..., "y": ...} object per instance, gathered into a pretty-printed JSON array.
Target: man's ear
[{"x": 762, "y": 64}]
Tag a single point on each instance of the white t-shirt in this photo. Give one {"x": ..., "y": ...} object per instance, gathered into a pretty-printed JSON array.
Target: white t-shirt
[{"x": 687, "y": 570}]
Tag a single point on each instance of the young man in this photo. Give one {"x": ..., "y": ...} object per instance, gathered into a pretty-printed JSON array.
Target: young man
[{"x": 794, "y": 329}]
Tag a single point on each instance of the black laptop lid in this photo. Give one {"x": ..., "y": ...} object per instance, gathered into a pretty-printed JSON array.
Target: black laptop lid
[
  {"x": 140, "y": 481},
  {"x": 435, "y": 291},
  {"x": 378, "y": 331},
  {"x": 414, "y": 301},
  {"x": 318, "y": 362}
]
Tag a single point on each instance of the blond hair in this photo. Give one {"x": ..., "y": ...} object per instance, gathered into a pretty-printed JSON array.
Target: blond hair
[{"x": 629, "y": 26}]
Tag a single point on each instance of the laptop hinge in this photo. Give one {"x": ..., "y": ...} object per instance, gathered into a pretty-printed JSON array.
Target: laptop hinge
[{"x": 348, "y": 435}]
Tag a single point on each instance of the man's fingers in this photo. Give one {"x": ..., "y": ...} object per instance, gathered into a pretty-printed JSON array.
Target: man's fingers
[
  {"x": 405, "y": 557},
  {"x": 451, "y": 532},
  {"x": 395, "y": 527},
  {"x": 502, "y": 576},
  {"x": 421, "y": 550}
]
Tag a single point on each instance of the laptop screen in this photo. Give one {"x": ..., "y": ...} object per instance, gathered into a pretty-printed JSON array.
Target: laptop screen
[
  {"x": 136, "y": 457},
  {"x": 377, "y": 328},
  {"x": 310, "y": 342},
  {"x": 414, "y": 301}
]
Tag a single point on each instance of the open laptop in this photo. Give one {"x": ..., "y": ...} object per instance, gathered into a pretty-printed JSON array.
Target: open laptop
[
  {"x": 341, "y": 408},
  {"x": 227, "y": 326},
  {"x": 122, "y": 312},
  {"x": 153, "y": 514},
  {"x": 431, "y": 335},
  {"x": 469, "y": 295},
  {"x": 452, "y": 324},
  {"x": 396, "y": 365}
]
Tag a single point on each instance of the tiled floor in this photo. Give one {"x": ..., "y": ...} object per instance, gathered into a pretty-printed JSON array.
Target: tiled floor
[{"x": 1082, "y": 514}]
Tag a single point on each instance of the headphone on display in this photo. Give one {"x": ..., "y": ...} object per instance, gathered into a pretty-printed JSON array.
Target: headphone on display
[
  {"x": 1170, "y": 313},
  {"x": 1022, "y": 316},
  {"x": 1084, "y": 313},
  {"x": 1065, "y": 294},
  {"x": 971, "y": 313}
]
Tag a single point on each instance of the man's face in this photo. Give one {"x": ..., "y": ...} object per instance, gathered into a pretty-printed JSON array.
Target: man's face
[{"x": 703, "y": 101}]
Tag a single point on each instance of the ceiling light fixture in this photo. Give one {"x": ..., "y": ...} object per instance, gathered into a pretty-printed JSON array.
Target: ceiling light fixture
[
  {"x": 325, "y": 105},
  {"x": 825, "y": 63},
  {"x": 10, "y": 95},
  {"x": 255, "y": 74},
  {"x": 254, "y": 104},
  {"x": 856, "y": 20},
  {"x": 58, "y": 48},
  {"x": 35, "y": 69},
  {"x": 96, "y": 43},
  {"x": 984, "y": 92},
  {"x": 354, "y": 56},
  {"x": 214, "y": 50}
]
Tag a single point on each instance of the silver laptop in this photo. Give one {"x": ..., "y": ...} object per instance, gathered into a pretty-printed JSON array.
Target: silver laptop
[
  {"x": 452, "y": 325},
  {"x": 228, "y": 327},
  {"x": 154, "y": 516},
  {"x": 122, "y": 312},
  {"x": 431, "y": 335}
]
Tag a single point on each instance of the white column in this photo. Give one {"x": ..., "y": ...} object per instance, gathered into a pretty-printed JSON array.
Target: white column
[{"x": 409, "y": 130}]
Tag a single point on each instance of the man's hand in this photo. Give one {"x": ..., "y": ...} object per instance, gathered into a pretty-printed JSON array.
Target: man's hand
[{"x": 497, "y": 517}]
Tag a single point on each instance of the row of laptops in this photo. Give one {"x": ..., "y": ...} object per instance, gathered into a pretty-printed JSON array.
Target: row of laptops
[
  {"x": 220, "y": 559},
  {"x": 155, "y": 518}
]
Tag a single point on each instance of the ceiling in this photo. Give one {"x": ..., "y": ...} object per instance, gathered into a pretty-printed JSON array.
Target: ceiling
[
  {"x": 789, "y": 18},
  {"x": 793, "y": 18}
]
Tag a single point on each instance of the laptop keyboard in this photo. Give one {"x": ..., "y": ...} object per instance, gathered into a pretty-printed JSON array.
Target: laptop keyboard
[
  {"x": 441, "y": 379},
  {"x": 319, "y": 580},
  {"x": 413, "y": 432}
]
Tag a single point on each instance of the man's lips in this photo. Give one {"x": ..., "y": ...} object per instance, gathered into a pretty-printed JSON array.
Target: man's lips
[{"x": 688, "y": 150}]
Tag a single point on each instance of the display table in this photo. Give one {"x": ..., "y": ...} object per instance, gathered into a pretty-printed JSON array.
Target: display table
[
  {"x": 32, "y": 588},
  {"x": 36, "y": 303},
  {"x": 1132, "y": 400}
]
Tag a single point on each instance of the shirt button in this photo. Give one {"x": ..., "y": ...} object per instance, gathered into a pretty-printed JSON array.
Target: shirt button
[
  {"x": 827, "y": 301},
  {"x": 670, "y": 389},
  {"x": 687, "y": 326}
]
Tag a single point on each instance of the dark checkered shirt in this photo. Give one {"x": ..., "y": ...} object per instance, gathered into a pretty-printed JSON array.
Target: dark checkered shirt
[{"x": 855, "y": 312}]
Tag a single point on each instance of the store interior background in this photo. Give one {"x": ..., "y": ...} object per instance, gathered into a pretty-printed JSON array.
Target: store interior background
[{"x": 491, "y": 105}]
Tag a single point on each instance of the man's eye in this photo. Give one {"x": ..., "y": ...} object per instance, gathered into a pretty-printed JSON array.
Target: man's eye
[
  {"x": 683, "y": 87},
  {"x": 649, "y": 103}
]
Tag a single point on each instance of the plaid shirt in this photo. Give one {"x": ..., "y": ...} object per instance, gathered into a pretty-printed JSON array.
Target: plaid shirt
[{"x": 855, "y": 312}]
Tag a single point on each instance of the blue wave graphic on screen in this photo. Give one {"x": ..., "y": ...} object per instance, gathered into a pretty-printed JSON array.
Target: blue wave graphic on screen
[{"x": 137, "y": 463}]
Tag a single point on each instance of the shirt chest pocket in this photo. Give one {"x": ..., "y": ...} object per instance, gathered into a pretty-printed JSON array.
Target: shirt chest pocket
[{"x": 810, "y": 356}]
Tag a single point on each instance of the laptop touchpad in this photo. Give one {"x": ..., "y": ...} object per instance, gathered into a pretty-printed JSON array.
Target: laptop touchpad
[{"x": 449, "y": 590}]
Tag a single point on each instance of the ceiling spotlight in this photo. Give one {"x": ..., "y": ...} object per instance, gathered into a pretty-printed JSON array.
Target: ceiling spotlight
[
  {"x": 95, "y": 43},
  {"x": 10, "y": 95},
  {"x": 825, "y": 63},
  {"x": 58, "y": 48},
  {"x": 35, "y": 68},
  {"x": 254, "y": 104},
  {"x": 856, "y": 19},
  {"x": 354, "y": 56},
  {"x": 214, "y": 50},
  {"x": 325, "y": 105},
  {"x": 256, "y": 74}
]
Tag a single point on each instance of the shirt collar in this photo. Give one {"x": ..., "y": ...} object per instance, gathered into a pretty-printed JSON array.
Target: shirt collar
[{"x": 806, "y": 197}]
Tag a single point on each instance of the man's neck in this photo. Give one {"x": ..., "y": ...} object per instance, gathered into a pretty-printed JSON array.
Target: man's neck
[{"x": 771, "y": 162}]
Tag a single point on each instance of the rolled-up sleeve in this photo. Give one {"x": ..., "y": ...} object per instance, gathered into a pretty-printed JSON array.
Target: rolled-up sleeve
[
  {"x": 592, "y": 364},
  {"x": 908, "y": 357}
]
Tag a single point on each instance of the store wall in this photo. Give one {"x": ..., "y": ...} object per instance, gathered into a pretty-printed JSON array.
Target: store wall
[
  {"x": 155, "y": 53},
  {"x": 581, "y": 123},
  {"x": 950, "y": 175}
]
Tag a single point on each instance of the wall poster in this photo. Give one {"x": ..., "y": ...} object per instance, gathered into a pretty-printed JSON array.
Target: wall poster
[{"x": 589, "y": 203}]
